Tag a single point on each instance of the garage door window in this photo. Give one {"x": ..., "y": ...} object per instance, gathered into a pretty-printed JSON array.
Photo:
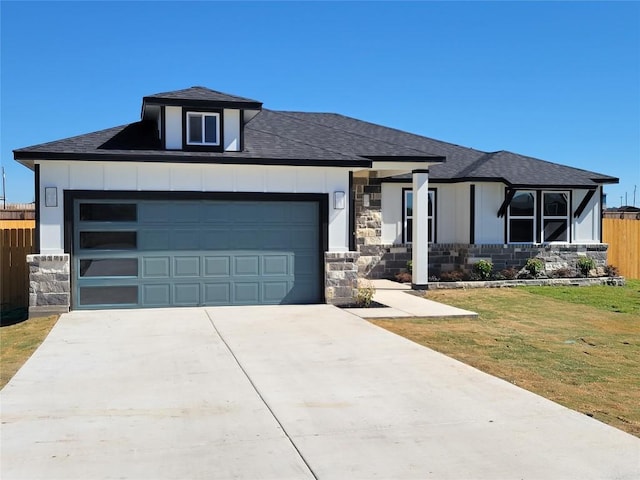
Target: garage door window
[
  {"x": 121, "y": 295},
  {"x": 109, "y": 240},
  {"x": 109, "y": 267},
  {"x": 108, "y": 212}
]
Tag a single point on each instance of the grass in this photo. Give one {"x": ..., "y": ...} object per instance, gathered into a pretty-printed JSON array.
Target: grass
[
  {"x": 620, "y": 300},
  {"x": 19, "y": 341},
  {"x": 571, "y": 345}
]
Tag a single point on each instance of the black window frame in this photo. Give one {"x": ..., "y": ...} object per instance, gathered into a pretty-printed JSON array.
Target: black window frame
[{"x": 431, "y": 219}]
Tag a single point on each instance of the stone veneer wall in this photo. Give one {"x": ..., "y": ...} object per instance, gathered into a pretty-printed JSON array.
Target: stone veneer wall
[
  {"x": 341, "y": 277},
  {"x": 49, "y": 285},
  {"x": 385, "y": 261},
  {"x": 368, "y": 222}
]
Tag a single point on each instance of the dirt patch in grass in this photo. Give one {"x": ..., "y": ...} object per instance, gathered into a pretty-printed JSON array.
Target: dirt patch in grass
[
  {"x": 19, "y": 341},
  {"x": 580, "y": 356}
]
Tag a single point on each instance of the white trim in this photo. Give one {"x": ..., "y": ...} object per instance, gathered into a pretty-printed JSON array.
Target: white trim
[{"x": 203, "y": 116}]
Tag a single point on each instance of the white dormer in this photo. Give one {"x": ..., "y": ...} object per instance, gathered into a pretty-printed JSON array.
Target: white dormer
[{"x": 199, "y": 119}]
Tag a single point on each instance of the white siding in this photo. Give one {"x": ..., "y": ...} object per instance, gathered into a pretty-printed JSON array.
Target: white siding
[
  {"x": 452, "y": 212},
  {"x": 488, "y": 226},
  {"x": 392, "y": 212},
  {"x": 586, "y": 228},
  {"x": 200, "y": 178},
  {"x": 173, "y": 121},
  {"x": 232, "y": 130},
  {"x": 452, "y": 217}
]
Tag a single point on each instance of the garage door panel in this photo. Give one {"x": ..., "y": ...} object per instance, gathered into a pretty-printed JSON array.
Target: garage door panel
[
  {"x": 203, "y": 253},
  {"x": 156, "y": 267},
  {"x": 156, "y": 295},
  {"x": 186, "y": 266},
  {"x": 217, "y": 266},
  {"x": 246, "y": 265},
  {"x": 276, "y": 265},
  {"x": 247, "y": 293},
  {"x": 186, "y": 294},
  {"x": 217, "y": 294},
  {"x": 273, "y": 292}
]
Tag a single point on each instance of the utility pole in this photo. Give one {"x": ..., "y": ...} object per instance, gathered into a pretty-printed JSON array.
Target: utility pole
[
  {"x": 4, "y": 195},
  {"x": 634, "y": 194}
]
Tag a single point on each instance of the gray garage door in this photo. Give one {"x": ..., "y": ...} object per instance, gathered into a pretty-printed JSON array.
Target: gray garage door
[{"x": 147, "y": 253}]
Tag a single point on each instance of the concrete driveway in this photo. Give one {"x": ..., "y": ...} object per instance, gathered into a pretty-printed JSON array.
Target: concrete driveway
[{"x": 286, "y": 392}]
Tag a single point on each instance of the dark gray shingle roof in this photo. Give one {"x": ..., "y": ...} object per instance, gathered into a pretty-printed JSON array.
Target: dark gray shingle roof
[
  {"x": 281, "y": 137},
  {"x": 200, "y": 94}
]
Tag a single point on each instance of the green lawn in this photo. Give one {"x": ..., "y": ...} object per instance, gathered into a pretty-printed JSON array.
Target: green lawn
[
  {"x": 569, "y": 344},
  {"x": 19, "y": 341},
  {"x": 620, "y": 300}
]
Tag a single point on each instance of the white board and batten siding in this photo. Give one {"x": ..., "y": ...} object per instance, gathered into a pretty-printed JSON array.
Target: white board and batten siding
[
  {"x": 586, "y": 229},
  {"x": 141, "y": 176}
]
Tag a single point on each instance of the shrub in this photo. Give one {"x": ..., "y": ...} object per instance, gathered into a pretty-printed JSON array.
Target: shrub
[
  {"x": 365, "y": 292},
  {"x": 585, "y": 265},
  {"x": 509, "y": 273},
  {"x": 483, "y": 269},
  {"x": 434, "y": 278},
  {"x": 410, "y": 266},
  {"x": 534, "y": 266},
  {"x": 611, "y": 271},
  {"x": 454, "y": 276},
  {"x": 563, "y": 272},
  {"x": 403, "y": 277}
]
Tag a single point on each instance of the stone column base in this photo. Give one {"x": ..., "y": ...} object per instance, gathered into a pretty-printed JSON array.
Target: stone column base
[
  {"x": 341, "y": 277},
  {"x": 49, "y": 284}
]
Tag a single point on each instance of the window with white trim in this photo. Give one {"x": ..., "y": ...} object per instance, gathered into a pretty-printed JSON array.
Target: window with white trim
[
  {"x": 521, "y": 222},
  {"x": 407, "y": 215},
  {"x": 555, "y": 216},
  {"x": 203, "y": 128}
]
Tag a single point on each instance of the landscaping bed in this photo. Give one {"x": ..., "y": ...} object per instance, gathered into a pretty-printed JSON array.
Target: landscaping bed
[{"x": 521, "y": 282}]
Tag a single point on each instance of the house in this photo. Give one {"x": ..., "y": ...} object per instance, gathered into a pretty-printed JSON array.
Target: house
[{"x": 211, "y": 199}]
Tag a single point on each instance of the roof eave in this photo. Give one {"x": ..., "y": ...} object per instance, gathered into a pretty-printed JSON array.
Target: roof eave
[
  {"x": 177, "y": 102},
  {"x": 27, "y": 158}
]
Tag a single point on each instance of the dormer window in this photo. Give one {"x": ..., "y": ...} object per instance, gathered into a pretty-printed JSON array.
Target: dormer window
[{"x": 203, "y": 128}]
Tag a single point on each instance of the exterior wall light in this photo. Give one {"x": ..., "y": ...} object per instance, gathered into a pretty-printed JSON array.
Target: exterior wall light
[
  {"x": 339, "y": 200},
  {"x": 51, "y": 197}
]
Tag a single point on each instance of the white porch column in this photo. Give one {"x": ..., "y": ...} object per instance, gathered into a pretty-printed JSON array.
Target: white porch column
[{"x": 420, "y": 240}]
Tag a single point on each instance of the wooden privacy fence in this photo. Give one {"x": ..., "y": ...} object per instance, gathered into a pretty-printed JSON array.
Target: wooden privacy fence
[
  {"x": 15, "y": 245},
  {"x": 623, "y": 237}
]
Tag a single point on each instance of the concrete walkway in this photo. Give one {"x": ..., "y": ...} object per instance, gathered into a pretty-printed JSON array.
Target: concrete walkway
[
  {"x": 402, "y": 303},
  {"x": 286, "y": 392}
]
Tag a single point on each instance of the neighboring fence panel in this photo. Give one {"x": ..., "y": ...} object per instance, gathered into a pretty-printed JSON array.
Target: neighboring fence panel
[
  {"x": 15, "y": 245},
  {"x": 623, "y": 237},
  {"x": 4, "y": 224}
]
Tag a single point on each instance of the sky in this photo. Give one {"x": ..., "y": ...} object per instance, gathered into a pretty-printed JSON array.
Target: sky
[{"x": 558, "y": 81}]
